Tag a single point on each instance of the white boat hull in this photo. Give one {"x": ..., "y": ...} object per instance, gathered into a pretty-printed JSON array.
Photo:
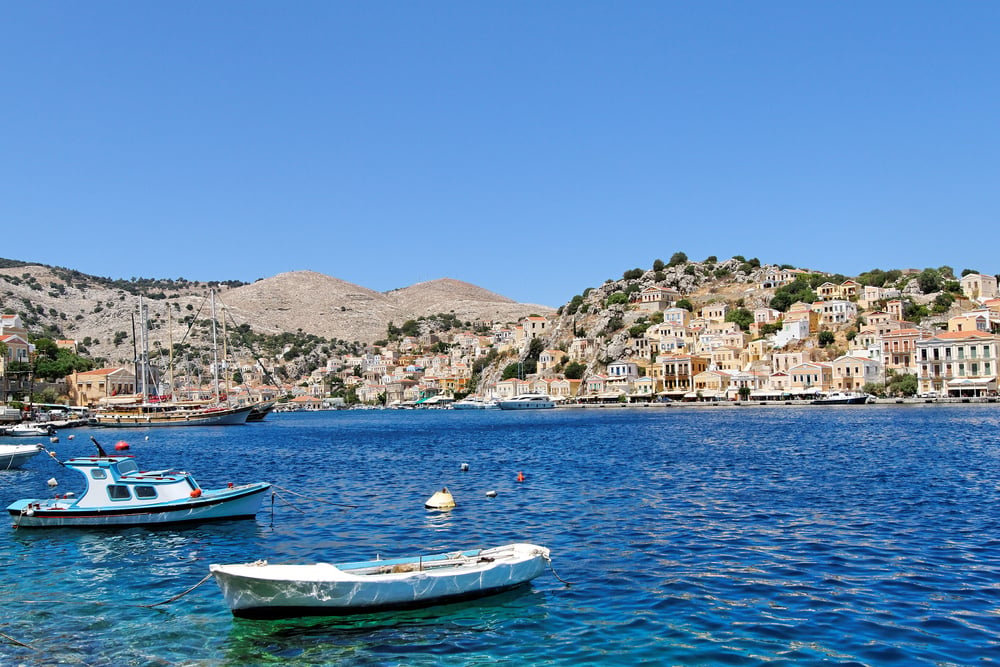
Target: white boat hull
[
  {"x": 12, "y": 456},
  {"x": 259, "y": 590},
  {"x": 237, "y": 503},
  {"x": 527, "y": 402},
  {"x": 28, "y": 432}
]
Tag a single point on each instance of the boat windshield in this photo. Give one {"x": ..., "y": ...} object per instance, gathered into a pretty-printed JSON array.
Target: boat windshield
[{"x": 127, "y": 466}]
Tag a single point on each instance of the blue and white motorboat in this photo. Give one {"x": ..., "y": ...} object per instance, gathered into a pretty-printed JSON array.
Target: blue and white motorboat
[
  {"x": 527, "y": 402},
  {"x": 119, "y": 494}
]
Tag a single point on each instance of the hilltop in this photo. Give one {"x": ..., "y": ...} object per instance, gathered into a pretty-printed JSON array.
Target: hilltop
[{"x": 97, "y": 312}]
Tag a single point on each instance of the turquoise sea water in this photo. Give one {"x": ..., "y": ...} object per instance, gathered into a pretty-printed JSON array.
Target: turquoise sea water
[{"x": 855, "y": 535}]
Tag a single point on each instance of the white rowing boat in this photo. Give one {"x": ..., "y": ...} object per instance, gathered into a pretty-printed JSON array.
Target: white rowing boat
[{"x": 262, "y": 590}]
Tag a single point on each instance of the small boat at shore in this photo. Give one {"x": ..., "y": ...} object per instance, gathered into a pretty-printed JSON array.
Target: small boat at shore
[
  {"x": 262, "y": 590},
  {"x": 12, "y": 456},
  {"x": 119, "y": 494},
  {"x": 474, "y": 403},
  {"x": 841, "y": 398},
  {"x": 28, "y": 431},
  {"x": 527, "y": 402}
]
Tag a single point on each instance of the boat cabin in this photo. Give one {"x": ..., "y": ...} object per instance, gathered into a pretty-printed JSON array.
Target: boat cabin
[{"x": 117, "y": 480}]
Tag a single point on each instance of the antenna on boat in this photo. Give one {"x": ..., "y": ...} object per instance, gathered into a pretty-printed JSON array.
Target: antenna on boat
[{"x": 100, "y": 450}]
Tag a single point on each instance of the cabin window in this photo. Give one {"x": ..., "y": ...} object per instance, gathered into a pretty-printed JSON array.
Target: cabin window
[
  {"x": 97, "y": 473},
  {"x": 118, "y": 492},
  {"x": 145, "y": 492},
  {"x": 127, "y": 466}
]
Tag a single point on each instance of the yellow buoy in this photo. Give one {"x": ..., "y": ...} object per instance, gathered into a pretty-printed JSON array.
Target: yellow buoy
[{"x": 442, "y": 500}]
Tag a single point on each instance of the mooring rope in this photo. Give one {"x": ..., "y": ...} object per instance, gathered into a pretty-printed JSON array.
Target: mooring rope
[
  {"x": 313, "y": 498},
  {"x": 179, "y": 595},
  {"x": 553, "y": 570},
  {"x": 14, "y": 641}
]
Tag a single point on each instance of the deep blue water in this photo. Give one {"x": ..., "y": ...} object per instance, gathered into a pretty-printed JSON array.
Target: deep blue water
[{"x": 724, "y": 536}]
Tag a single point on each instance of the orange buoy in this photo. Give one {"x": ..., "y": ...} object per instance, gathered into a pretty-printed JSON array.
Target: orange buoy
[
  {"x": 196, "y": 493},
  {"x": 121, "y": 445},
  {"x": 520, "y": 476}
]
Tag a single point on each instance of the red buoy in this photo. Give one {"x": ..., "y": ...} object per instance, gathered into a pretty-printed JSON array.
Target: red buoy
[
  {"x": 520, "y": 476},
  {"x": 121, "y": 445}
]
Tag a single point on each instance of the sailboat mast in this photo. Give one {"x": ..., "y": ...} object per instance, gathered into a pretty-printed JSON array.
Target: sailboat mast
[
  {"x": 215, "y": 352},
  {"x": 225, "y": 351},
  {"x": 170, "y": 357},
  {"x": 144, "y": 349}
]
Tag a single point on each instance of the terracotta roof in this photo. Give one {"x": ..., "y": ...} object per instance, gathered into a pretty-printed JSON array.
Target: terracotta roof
[{"x": 951, "y": 335}]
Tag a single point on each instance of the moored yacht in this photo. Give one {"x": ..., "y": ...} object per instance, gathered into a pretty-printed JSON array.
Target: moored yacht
[
  {"x": 526, "y": 402},
  {"x": 473, "y": 402},
  {"x": 842, "y": 398}
]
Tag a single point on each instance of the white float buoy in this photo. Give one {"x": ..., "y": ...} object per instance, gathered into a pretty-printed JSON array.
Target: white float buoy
[
  {"x": 53, "y": 482},
  {"x": 465, "y": 467},
  {"x": 491, "y": 494},
  {"x": 442, "y": 500},
  {"x": 71, "y": 437}
]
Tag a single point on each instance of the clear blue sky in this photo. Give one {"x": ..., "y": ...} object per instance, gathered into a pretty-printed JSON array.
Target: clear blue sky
[{"x": 531, "y": 148}]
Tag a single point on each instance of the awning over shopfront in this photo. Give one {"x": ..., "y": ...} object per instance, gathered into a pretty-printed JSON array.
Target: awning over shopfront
[{"x": 972, "y": 386}]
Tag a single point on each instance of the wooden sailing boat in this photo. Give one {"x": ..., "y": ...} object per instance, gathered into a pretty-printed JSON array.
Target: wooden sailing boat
[{"x": 148, "y": 409}]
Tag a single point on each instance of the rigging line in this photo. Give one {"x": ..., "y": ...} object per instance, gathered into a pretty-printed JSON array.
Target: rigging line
[
  {"x": 194, "y": 320},
  {"x": 226, "y": 310},
  {"x": 179, "y": 595}
]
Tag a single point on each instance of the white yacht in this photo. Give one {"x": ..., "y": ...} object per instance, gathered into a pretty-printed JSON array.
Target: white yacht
[
  {"x": 473, "y": 403},
  {"x": 526, "y": 402}
]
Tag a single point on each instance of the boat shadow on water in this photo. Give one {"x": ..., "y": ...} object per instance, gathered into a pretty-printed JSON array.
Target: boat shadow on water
[{"x": 445, "y": 628}]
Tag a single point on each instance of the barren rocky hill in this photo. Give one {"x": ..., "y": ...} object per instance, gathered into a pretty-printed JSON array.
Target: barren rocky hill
[{"x": 68, "y": 304}]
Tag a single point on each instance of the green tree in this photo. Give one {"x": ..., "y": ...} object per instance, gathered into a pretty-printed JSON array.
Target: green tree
[
  {"x": 797, "y": 290},
  {"x": 574, "y": 370},
  {"x": 826, "y": 338},
  {"x": 617, "y": 297},
  {"x": 677, "y": 258},
  {"x": 658, "y": 265},
  {"x": 64, "y": 363},
  {"x": 942, "y": 302},
  {"x": 744, "y": 393},
  {"x": 741, "y": 316},
  {"x": 686, "y": 305},
  {"x": 901, "y": 384},
  {"x": 574, "y": 304},
  {"x": 929, "y": 281}
]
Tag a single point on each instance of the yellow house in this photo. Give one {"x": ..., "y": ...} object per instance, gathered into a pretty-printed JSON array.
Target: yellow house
[{"x": 87, "y": 388}]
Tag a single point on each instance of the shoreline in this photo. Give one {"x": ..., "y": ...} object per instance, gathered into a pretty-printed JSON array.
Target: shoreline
[{"x": 780, "y": 403}]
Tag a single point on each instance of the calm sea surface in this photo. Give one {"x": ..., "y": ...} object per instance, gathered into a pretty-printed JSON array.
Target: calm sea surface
[{"x": 690, "y": 536}]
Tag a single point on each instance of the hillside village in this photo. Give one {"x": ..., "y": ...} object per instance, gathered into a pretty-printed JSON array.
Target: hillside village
[{"x": 683, "y": 331}]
